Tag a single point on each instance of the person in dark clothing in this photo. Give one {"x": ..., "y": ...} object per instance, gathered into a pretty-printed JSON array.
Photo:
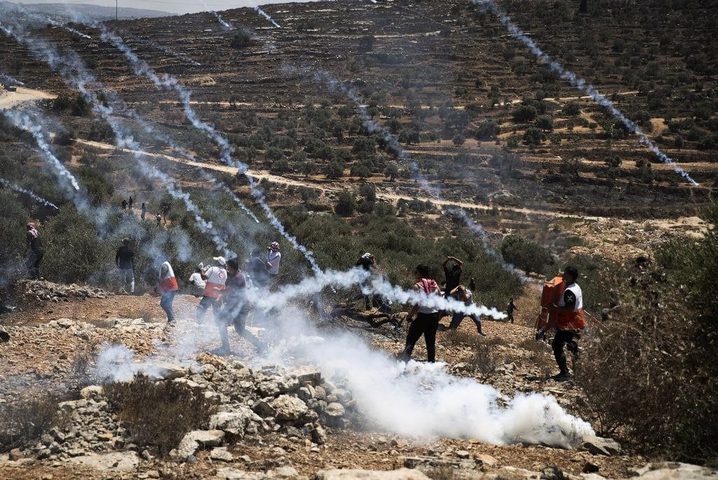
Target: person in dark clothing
[
  {"x": 158, "y": 218},
  {"x": 143, "y": 211},
  {"x": 257, "y": 269},
  {"x": 235, "y": 309},
  {"x": 129, "y": 203},
  {"x": 510, "y": 310},
  {"x": 125, "y": 261},
  {"x": 472, "y": 285},
  {"x": 124, "y": 204},
  {"x": 424, "y": 320},
  {"x": 36, "y": 251},
  {"x": 368, "y": 263},
  {"x": 452, "y": 274}
]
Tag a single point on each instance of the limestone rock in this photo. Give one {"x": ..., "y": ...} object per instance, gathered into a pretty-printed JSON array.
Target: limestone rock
[
  {"x": 601, "y": 446},
  {"x": 221, "y": 454},
  {"x": 289, "y": 409},
  {"x": 401, "y": 474},
  {"x": 676, "y": 471},
  {"x": 192, "y": 441},
  {"x": 237, "y": 422},
  {"x": 115, "y": 461}
]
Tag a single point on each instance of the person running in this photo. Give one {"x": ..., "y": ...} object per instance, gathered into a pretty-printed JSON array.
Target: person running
[
  {"x": 510, "y": 310},
  {"x": 197, "y": 281},
  {"x": 168, "y": 289},
  {"x": 570, "y": 320},
  {"x": 235, "y": 309},
  {"x": 368, "y": 263},
  {"x": 216, "y": 276},
  {"x": 37, "y": 252},
  {"x": 274, "y": 257},
  {"x": 125, "y": 261},
  {"x": 424, "y": 320},
  {"x": 452, "y": 274},
  {"x": 463, "y": 294},
  {"x": 143, "y": 211}
]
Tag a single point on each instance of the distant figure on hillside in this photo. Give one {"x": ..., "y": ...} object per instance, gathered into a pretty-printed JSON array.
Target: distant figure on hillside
[
  {"x": 197, "y": 281},
  {"x": 569, "y": 321},
  {"x": 472, "y": 284},
  {"x": 463, "y": 294},
  {"x": 124, "y": 204},
  {"x": 125, "y": 261},
  {"x": 510, "y": 310},
  {"x": 158, "y": 218},
  {"x": 165, "y": 212},
  {"x": 274, "y": 257},
  {"x": 424, "y": 320},
  {"x": 143, "y": 211},
  {"x": 129, "y": 203},
  {"x": 368, "y": 263},
  {"x": 168, "y": 289},
  {"x": 235, "y": 309},
  {"x": 452, "y": 274},
  {"x": 34, "y": 258},
  {"x": 216, "y": 277}
]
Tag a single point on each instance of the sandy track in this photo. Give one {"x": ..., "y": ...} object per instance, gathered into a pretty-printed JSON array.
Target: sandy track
[{"x": 22, "y": 95}]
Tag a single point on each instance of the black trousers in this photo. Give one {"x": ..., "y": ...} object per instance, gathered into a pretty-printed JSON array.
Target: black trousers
[
  {"x": 562, "y": 339},
  {"x": 425, "y": 324},
  {"x": 33, "y": 263}
]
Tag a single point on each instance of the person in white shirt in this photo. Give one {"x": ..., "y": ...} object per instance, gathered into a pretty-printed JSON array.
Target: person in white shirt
[
  {"x": 197, "y": 281},
  {"x": 216, "y": 276},
  {"x": 274, "y": 256}
]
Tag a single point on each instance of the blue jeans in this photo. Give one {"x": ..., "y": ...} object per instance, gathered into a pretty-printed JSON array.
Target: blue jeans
[
  {"x": 166, "y": 304},
  {"x": 457, "y": 318}
]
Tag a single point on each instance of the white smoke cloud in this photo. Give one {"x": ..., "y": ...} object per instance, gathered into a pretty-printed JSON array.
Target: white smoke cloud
[
  {"x": 581, "y": 84},
  {"x": 264, "y": 14},
  {"x": 29, "y": 193}
]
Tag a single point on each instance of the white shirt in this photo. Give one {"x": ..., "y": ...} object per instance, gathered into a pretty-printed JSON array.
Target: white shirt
[
  {"x": 196, "y": 280},
  {"x": 273, "y": 259},
  {"x": 216, "y": 275},
  {"x": 576, "y": 290}
]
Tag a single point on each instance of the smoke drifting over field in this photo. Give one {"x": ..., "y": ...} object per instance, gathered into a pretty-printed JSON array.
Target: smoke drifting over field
[
  {"x": 581, "y": 84},
  {"x": 266, "y": 15},
  {"x": 29, "y": 193}
]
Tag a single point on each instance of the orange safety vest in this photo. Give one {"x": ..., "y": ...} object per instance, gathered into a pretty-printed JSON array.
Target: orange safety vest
[
  {"x": 168, "y": 283},
  {"x": 550, "y": 317},
  {"x": 216, "y": 278}
]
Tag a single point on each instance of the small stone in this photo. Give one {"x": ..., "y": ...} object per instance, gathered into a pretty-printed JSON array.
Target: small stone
[
  {"x": 486, "y": 460},
  {"x": 15, "y": 454},
  {"x": 221, "y": 454},
  {"x": 462, "y": 454}
]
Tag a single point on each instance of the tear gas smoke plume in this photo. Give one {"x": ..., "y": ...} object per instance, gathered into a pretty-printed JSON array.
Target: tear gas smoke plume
[
  {"x": 29, "y": 193},
  {"x": 417, "y": 400},
  {"x": 259, "y": 10},
  {"x": 581, "y": 84},
  {"x": 68, "y": 28},
  {"x": 372, "y": 127},
  {"x": 30, "y": 123},
  {"x": 168, "y": 82},
  {"x": 10, "y": 81},
  {"x": 75, "y": 74}
]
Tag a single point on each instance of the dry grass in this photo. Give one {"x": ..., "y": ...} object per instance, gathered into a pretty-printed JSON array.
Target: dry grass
[
  {"x": 159, "y": 413},
  {"x": 22, "y": 423}
]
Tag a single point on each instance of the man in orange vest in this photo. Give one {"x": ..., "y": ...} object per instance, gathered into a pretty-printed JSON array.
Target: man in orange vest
[
  {"x": 168, "y": 289},
  {"x": 569, "y": 321},
  {"x": 216, "y": 277}
]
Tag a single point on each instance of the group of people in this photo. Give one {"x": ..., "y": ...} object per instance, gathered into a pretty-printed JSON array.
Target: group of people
[
  {"x": 564, "y": 314},
  {"x": 221, "y": 287},
  {"x": 160, "y": 218}
]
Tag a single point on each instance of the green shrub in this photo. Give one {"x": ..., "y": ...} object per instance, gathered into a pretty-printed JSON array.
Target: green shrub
[
  {"x": 525, "y": 254},
  {"x": 346, "y": 204}
]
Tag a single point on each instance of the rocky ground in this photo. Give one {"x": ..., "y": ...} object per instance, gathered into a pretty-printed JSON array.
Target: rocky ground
[{"x": 267, "y": 422}]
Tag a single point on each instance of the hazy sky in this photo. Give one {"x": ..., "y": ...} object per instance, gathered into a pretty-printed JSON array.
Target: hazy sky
[{"x": 172, "y": 6}]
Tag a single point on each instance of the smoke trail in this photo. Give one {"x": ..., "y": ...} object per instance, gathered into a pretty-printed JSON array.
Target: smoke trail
[
  {"x": 8, "y": 80},
  {"x": 169, "y": 82},
  {"x": 581, "y": 84},
  {"x": 64, "y": 26},
  {"x": 29, "y": 193},
  {"x": 24, "y": 122},
  {"x": 73, "y": 71},
  {"x": 259, "y": 10},
  {"x": 225, "y": 24},
  {"x": 393, "y": 144}
]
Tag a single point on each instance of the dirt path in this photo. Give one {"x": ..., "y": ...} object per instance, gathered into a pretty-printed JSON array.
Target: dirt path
[{"x": 9, "y": 100}]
